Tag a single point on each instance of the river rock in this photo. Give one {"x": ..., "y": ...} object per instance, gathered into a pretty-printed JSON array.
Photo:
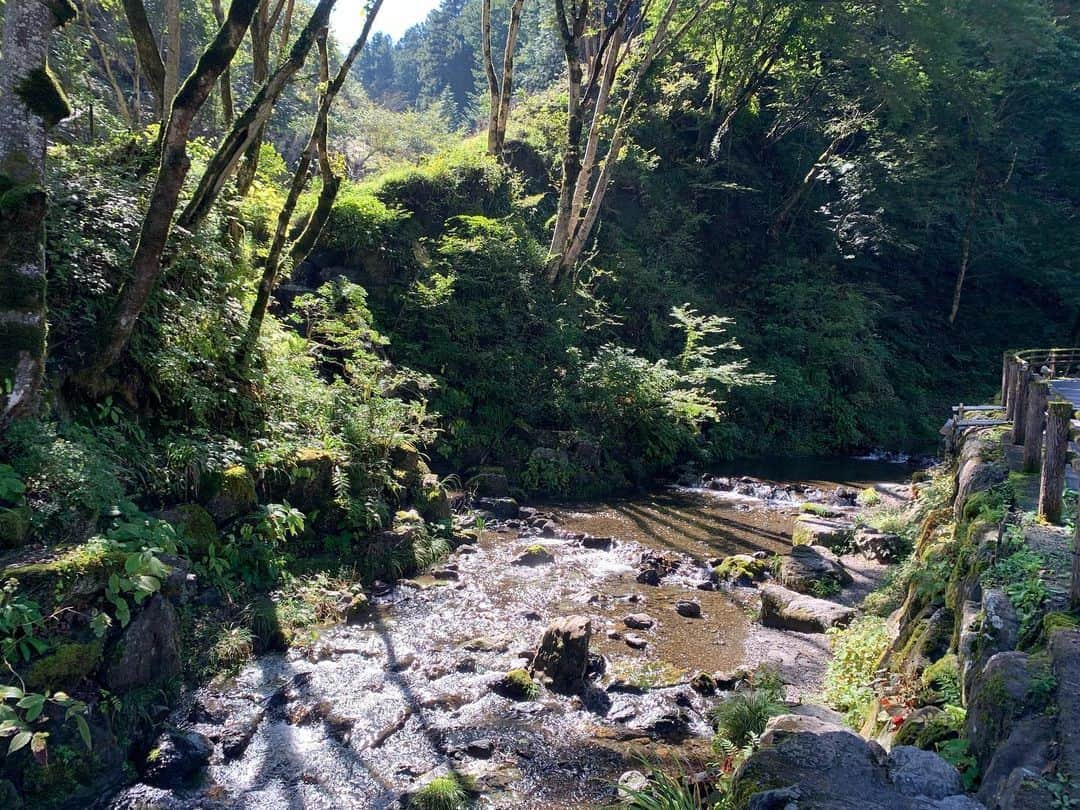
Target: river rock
[
  {"x": 175, "y": 757},
  {"x": 648, "y": 576},
  {"x": 596, "y": 543},
  {"x": 632, "y": 782},
  {"x": 562, "y": 659},
  {"x": 148, "y": 650},
  {"x": 787, "y": 610},
  {"x": 533, "y": 556},
  {"x": 809, "y": 762},
  {"x": 688, "y": 608},
  {"x": 880, "y": 546},
  {"x": 811, "y": 530},
  {"x": 639, "y": 621},
  {"x": 809, "y": 568},
  {"x": 915, "y": 772},
  {"x": 501, "y": 508},
  {"x": 635, "y": 642}
]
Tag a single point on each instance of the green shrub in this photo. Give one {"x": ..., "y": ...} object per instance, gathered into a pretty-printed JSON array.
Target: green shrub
[
  {"x": 868, "y": 497},
  {"x": 442, "y": 793},
  {"x": 857, "y": 650},
  {"x": 943, "y": 679},
  {"x": 741, "y": 718}
]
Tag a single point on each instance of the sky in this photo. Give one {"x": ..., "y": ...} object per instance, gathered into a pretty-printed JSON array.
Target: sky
[{"x": 395, "y": 17}]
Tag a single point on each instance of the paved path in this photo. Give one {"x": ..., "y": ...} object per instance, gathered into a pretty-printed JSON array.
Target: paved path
[{"x": 1070, "y": 389}]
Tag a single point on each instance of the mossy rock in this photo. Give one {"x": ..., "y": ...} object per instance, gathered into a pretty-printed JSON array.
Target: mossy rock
[
  {"x": 14, "y": 526},
  {"x": 518, "y": 684},
  {"x": 65, "y": 668},
  {"x": 77, "y": 575},
  {"x": 196, "y": 524},
  {"x": 742, "y": 569},
  {"x": 432, "y": 501},
  {"x": 233, "y": 494}
]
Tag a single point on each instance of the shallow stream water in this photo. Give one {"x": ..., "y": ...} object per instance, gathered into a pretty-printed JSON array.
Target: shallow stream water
[{"x": 372, "y": 709}]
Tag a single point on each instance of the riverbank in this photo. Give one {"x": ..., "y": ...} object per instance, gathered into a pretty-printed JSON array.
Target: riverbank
[{"x": 417, "y": 688}]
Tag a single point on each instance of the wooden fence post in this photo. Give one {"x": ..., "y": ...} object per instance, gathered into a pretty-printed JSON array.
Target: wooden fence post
[
  {"x": 1005, "y": 380},
  {"x": 1038, "y": 394},
  {"x": 1010, "y": 382},
  {"x": 1023, "y": 385},
  {"x": 1052, "y": 481}
]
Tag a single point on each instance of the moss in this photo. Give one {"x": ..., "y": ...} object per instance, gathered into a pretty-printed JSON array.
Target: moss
[
  {"x": 197, "y": 526},
  {"x": 14, "y": 526},
  {"x": 742, "y": 567},
  {"x": 442, "y": 793},
  {"x": 519, "y": 685},
  {"x": 44, "y": 97},
  {"x": 1059, "y": 621},
  {"x": 238, "y": 483},
  {"x": 943, "y": 678},
  {"x": 64, "y": 669}
]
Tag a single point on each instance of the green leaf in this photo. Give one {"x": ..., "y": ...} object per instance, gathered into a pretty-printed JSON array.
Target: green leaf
[
  {"x": 84, "y": 731},
  {"x": 123, "y": 612},
  {"x": 19, "y": 741}
]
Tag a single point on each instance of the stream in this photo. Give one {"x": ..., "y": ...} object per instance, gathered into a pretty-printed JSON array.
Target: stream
[{"x": 371, "y": 710}]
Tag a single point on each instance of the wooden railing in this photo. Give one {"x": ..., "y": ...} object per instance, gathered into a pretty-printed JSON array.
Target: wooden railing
[{"x": 1042, "y": 421}]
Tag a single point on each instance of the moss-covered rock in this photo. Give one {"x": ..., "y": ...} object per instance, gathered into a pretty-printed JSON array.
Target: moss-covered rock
[
  {"x": 742, "y": 569},
  {"x": 65, "y": 667},
  {"x": 195, "y": 524},
  {"x": 14, "y": 526},
  {"x": 232, "y": 494},
  {"x": 518, "y": 684}
]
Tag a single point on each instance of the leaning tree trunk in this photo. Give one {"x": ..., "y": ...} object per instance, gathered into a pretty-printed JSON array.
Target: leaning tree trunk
[
  {"x": 146, "y": 48},
  {"x": 316, "y": 144},
  {"x": 30, "y": 102},
  {"x": 173, "y": 169},
  {"x": 246, "y": 132}
]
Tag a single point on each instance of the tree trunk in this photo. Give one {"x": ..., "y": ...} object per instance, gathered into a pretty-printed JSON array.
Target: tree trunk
[
  {"x": 228, "y": 113},
  {"x": 30, "y": 103},
  {"x": 247, "y": 130},
  {"x": 499, "y": 91},
  {"x": 146, "y": 47},
  {"x": 173, "y": 169},
  {"x": 965, "y": 248},
  {"x": 172, "y": 51},
  {"x": 123, "y": 109},
  {"x": 1052, "y": 480},
  {"x": 316, "y": 141},
  {"x": 492, "y": 79},
  {"x": 1038, "y": 394},
  {"x": 261, "y": 32},
  {"x": 574, "y": 224}
]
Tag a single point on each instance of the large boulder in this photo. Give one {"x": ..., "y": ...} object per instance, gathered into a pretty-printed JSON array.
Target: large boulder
[
  {"x": 811, "y": 530},
  {"x": 979, "y": 467},
  {"x": 1065, "y": 660},
  {"x": 1003, "y": 692},
  {"x": 807, "y": 762},
  {"x": 1028, "y": 749},
  {"x": 176, "y": 757},
  {"x": 232, "y": 494},
  {"x": 881, "y": 546},
  {"x": 562, "y": 659},
  {"x": 989, "y": 627},
  {"x": 814, "y": 570},
  {"x": 788, "y": 610},
  {"x": 149, "y": 648}
]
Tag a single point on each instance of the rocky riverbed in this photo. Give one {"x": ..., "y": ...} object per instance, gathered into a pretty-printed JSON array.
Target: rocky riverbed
[{"x": 429, "y": 681}]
